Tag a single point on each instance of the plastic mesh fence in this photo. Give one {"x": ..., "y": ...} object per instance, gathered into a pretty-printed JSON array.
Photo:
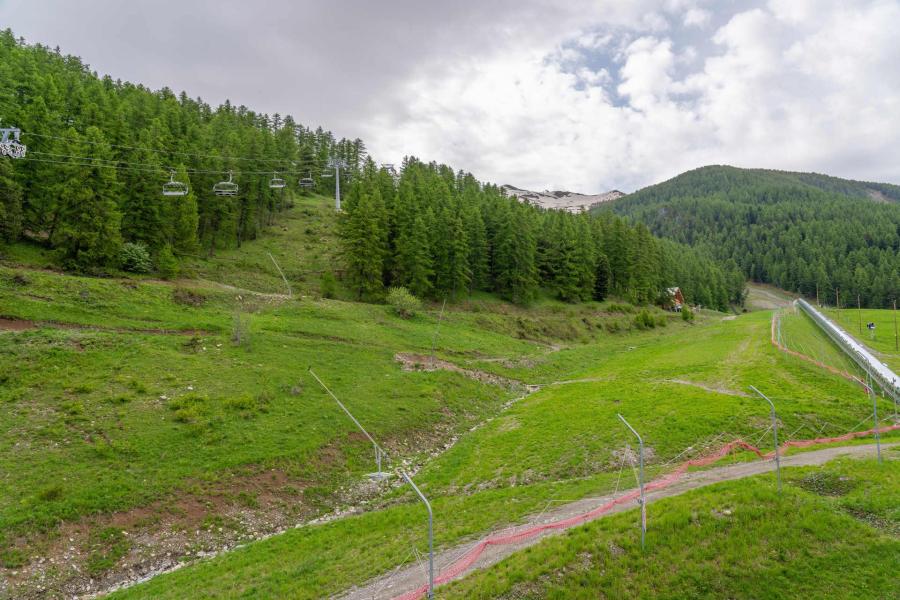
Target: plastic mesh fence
[{"x": 465, "y": 562}]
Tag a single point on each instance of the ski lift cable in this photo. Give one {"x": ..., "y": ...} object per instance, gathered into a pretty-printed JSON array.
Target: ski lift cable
[
  {"x": 175, "y": 152},
  {"x": 190, "y": 170},
  {"x": 89, "y": 161}
]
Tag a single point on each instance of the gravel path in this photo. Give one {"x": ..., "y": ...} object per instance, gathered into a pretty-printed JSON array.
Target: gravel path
[{"x": 410, "y": 577}]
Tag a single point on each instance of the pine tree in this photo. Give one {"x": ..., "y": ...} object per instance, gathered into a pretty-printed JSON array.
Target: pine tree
[
  {"x": 182, "y": 214},
  {"x": 601, "y": 280},
  {"x": 364, "y": 241},
  {"x": 10, "y": 203},
  {"x": 413, "y": 259},
  {"x": 88, "y": 227}
]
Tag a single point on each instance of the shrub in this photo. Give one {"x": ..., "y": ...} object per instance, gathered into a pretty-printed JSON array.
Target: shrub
[
  {"x": 615, "y": 307},
  {"x": 644, "y": 320},
  {"x": 329, "y": 285},
  {"x": 135, "y": 258},
  {"x": 166, "y": 263},
  {"x": 687, "y": 314},
  {"x": 403, "y": 302}
]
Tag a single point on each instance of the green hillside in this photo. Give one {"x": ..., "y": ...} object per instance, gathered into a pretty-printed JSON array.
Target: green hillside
[
  {"x": 799, "y": 231},
  {"x": 832, "y": 533}
]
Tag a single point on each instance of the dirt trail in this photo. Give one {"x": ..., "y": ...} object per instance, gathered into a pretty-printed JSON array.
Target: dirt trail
[{"x": 411, "y": 577}]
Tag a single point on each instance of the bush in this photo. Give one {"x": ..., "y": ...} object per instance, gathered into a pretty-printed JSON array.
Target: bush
[
  {"x": 644, "y": 320},
  {"x": 403, "y": 302},
  {"x": 135, "y": 258},
  {"x": 687, "y": 314},
  {"x": 329, "y": 285},
  {"x": 166, "y": 263}
]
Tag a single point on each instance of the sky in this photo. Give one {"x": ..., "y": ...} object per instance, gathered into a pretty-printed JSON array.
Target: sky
[{"x": 581, "y": 95}]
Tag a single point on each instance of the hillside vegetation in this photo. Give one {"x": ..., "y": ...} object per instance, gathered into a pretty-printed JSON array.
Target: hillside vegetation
[
  {"x": 443, "y": 234},
  {"x": 800, "y": 231},
  {"x": 832, "y": 533},
  {"x": 560, "y": 443},
  {"x": 99, "y": 152},
  {"x": 90, "y": 191}
]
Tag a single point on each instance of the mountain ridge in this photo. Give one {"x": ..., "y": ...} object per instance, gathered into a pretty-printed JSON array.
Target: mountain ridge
[{"x": 573, "y": 202}]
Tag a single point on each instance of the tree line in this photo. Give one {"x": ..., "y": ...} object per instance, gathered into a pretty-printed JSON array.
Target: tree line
[
  {"x": 443, "y": 234},
  {"x": 803, "y": 232},
  {"x": 99, "y": 151}
]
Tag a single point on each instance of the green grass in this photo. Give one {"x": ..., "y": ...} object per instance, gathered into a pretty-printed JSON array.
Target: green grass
[
  {"x": 832, "y": 533},
  {"x": 555, "y": 444},
  {"x": 133, "y": 393},
  {"x": 882, "y": 340},
  {"x": 801, "y": 334},
  {"x": 303, "y": 242}
]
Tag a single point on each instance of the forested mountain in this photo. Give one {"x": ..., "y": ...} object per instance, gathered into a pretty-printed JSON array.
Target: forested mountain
[
  {"x": 441, "y": 233},
  {"x": 801, "y": 231},
  {"x": 99, "y": 152}
]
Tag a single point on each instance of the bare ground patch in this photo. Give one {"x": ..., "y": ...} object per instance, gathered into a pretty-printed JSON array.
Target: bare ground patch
[{"x": 421, "y": 362}]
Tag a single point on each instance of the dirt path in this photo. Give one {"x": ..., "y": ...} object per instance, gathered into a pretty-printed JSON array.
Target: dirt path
[{"x": 411, "y": 577}]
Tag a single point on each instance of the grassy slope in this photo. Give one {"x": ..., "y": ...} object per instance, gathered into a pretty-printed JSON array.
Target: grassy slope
[
  {"x": 883, "y": 342},
  {"x": 96, "y": 436},
  {"x": 555, "y": 444},
  {"x": 131, "y": 391},
  {"x": 303, "y": 243},
  {"x": 800, "y": 333},
  {"x": 833, "y": 533}
]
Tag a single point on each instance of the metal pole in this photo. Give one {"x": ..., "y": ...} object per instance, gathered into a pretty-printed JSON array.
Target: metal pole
[
  {"x": 430, "y": 534},
  {"x": 280, "y": 272},
  {"x": 337, "y": 186},
  {"x": 875, "y": 415},
  {"x": 640, "y": 481},
  {"x": 775, "y": 431},
  {"x": 379, "y": 452}
]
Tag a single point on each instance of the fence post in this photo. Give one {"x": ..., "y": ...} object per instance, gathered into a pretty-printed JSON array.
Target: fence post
[
  {"x": 430, "y": 534},
  {"x": 640, "y": 482},
  {"x": 775, "y": 432}
]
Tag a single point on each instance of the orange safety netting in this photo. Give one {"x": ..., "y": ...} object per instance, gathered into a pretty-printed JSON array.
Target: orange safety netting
[{"x": 463, "y": 563}]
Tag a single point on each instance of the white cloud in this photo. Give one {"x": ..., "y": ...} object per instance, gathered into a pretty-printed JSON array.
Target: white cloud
[
  {"x": 585, "y": 95},
  {"x": 697, "y": 17}
]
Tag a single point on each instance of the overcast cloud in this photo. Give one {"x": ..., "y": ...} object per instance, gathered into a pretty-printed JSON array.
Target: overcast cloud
[{"x": 580, "y": 95}]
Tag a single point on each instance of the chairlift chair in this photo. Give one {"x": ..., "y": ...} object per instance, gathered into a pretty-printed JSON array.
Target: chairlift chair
[
  {"x": 174, "y": 188},
  {"x": 276, "y": 183},
  {"x": 12, "y": 148},
  {"x": 307, "y": 182},
  {"x": 226, "y": 188}
]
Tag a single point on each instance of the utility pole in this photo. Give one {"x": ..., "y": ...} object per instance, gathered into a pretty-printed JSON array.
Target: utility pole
[
  {"x": 640, "y": 482},
  {"x": 430, "y": 534},
  {"x": 337, "y": 164},
  {"x": 775, "y": 431},
  {"x": 837, "y": 298}
]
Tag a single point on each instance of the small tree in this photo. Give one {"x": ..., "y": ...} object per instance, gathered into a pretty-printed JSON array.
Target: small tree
[
  {"x": 136, "y": 258},
  {"x": 166, "y": 263},
  {"x": 403, "y": 302}
]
